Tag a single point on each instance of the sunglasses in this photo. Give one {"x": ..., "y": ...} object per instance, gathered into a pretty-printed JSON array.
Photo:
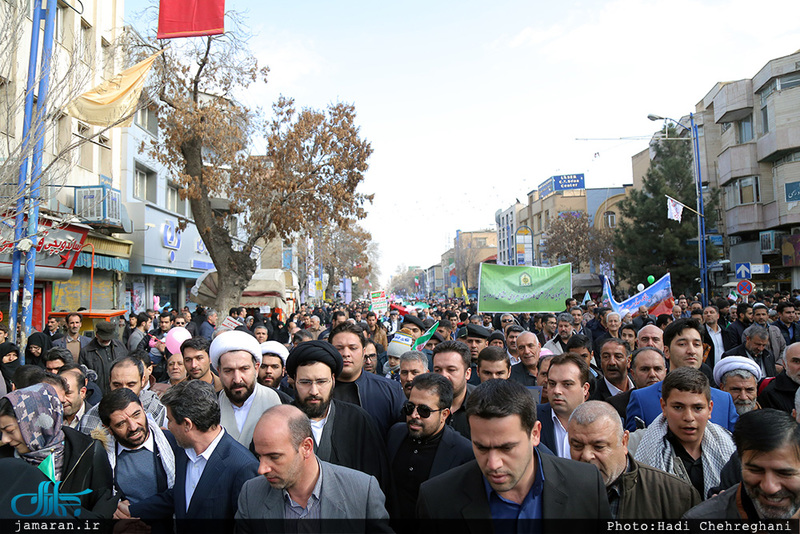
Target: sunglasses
[{"x": 423, "y": 411}]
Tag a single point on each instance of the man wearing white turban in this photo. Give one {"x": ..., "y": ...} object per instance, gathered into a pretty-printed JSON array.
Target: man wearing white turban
[{"x": 739, "y": 376}]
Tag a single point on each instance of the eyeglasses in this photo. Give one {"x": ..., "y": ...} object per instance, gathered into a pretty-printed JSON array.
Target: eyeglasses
[
  {"x": 177, "y": 323},
  {"x": 422, "y": 410},
  {"x": 507, "y": 320},
  {"x": 370, "y": 356},
  {"x": 320, "y": 382}
]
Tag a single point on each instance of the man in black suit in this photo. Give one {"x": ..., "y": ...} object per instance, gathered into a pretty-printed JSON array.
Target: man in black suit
[
  {"x": 509, "y": 481},
  {"x": 567, "y": 388},
  {"x": 614, "y": 363},
  {"x": 755, "y": 347},
  {"x": 424, "y": 446}
]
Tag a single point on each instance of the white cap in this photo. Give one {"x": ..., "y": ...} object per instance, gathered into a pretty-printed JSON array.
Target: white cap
[
  {"x": 273, "y": 347},
  {"x": 233, "y": 340}
]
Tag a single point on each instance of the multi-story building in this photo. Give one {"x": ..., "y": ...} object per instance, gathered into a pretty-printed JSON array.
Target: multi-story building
[
  {"x": 749, "y": 140},
  {"x": 462, "y": 262},
  {"x": 508, "y": 224},
  {"x": 80, "y": 197}
]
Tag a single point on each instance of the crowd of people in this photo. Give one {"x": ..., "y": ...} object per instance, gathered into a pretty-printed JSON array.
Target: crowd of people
[{"x": 337, "y": 415}]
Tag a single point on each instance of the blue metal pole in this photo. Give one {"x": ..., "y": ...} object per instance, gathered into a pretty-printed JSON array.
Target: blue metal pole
[
  {"x": 36, "y": 173},
  {"x": 19, "y": 223},
  {"x": 701, "y": 224}
]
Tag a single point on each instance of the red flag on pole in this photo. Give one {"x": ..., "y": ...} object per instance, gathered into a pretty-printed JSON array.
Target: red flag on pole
[{"x": 190, "y": 18}]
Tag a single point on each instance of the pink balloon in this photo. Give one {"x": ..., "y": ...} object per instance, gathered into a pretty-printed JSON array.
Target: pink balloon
[{"x": 175, "y": 337}]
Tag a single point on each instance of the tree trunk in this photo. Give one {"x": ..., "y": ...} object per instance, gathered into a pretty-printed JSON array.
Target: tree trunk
[{"x": 235, "y": 268}]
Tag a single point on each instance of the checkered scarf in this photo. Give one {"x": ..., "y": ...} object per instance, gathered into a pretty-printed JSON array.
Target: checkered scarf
[
  {"x": 656, "y": 451},
  {"x": 39, "y": 415}
]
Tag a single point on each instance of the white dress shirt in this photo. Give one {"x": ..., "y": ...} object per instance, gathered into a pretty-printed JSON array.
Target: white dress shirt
[
  {"x": 716, "y": 338},
  {"x": 562, "y": 439},
  {"x": 197, "y": 464},
  {"x": 240, "y": 412}
]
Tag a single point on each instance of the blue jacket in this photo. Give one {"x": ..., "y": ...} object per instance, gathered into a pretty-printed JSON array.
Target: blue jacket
[
  {"x": 206, "y": 330},
  {"x": 217, "y": 493},
  {"x": 381, "y": 398},
  {"x": 645, "y": 403}
]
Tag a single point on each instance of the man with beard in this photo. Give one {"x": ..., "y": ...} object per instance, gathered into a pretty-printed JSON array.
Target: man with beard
[
  {"x": 237, "y": 356},
  {"x": 739, "y": 376},
  {"x": 140, "y": 453},
  {"x": 424, "y": 446},
  {"x": 197, "y": 362},
  {"x": 756, "y": 347},
  {"x": 768, "y": 443},
  {"x": 564, "y": 331},
  {"x": 210, "y": 470},
  {"x": 777, "y": 343},
  {"x": 779, "y": 393},
  {"x": 344, "y": 434},
  {"x": 273, "y": 369},
  {"x": 451, "y": 359},
  {"x": 380, "y": 397},
  {"x": 127, "y": 372},
  {"x": 412, "y": 364},
  {"x": 614, "y": 363}
]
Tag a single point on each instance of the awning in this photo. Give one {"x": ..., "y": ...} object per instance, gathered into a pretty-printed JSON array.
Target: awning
[
  {"x": 583, "y": 282},
  {"x": 103, "y": 262},
  {"x": 266, "y": 288}
]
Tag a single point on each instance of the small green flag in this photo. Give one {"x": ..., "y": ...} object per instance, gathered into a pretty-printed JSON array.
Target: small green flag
[
  {"x": 421, "y": 340},
  {"x": 48, "y": 467}
]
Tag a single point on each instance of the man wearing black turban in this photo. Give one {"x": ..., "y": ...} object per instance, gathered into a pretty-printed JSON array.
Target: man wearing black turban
[{"x": 344, "y": 434}]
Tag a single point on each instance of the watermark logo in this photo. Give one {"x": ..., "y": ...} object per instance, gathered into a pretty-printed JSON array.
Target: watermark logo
[{"x": 48, "y": 501}]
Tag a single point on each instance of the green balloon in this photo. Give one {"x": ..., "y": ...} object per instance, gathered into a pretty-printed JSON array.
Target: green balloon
[{"x": 651, "y": 279}]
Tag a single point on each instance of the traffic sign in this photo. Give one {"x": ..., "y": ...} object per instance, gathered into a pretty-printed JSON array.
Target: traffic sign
[
  {"x": 743, "y": 271},
  {"x": 759, "y": 268},
  {"x": 744, "y": 288}
]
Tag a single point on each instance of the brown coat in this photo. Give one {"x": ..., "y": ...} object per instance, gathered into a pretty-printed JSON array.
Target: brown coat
[{"x": 650, "y": 493}]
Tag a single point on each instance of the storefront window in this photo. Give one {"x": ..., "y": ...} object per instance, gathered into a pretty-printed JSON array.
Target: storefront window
[{"x": 167, "y": 291}]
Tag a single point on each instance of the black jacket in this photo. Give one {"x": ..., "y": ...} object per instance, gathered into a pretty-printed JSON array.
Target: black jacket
[
  {"x": 766, "y": 357},
  {"x": 95, "y": 357},
  {"x": 356, "y": 443},
  {"x": 779, "y": 393},
  {"x": 724, "y": 506},
  {"x": 794, "y": 338},
  {"x": 456, "y": 501},
  {"x": 732, "y": 336},
  {"x": 85, "y": 467},
  {"x": 453, "y": 450}
]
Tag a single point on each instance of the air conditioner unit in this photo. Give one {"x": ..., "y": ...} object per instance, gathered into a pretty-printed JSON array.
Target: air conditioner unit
[{"x": 98, "y": 204}]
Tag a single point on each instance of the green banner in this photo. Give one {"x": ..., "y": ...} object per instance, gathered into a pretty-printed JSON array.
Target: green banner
[{"x": 519, "y": 288}]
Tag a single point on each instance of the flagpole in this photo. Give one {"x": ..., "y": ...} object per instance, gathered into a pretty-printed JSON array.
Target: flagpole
[{"x": 702, "y": 260}]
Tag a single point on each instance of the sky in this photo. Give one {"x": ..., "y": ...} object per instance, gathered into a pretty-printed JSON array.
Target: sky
[{"x": 470, "y": 105}]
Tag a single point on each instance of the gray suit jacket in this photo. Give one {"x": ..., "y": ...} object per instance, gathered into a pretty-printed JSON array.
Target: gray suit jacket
[{"x": 349, "y": 497}]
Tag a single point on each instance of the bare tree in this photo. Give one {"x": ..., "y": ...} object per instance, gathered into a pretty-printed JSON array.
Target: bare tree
[{"x": 308, "y": 177}]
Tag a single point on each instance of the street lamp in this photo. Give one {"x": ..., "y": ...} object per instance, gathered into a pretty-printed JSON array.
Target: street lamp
[{"x": 701, "y": 220}]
